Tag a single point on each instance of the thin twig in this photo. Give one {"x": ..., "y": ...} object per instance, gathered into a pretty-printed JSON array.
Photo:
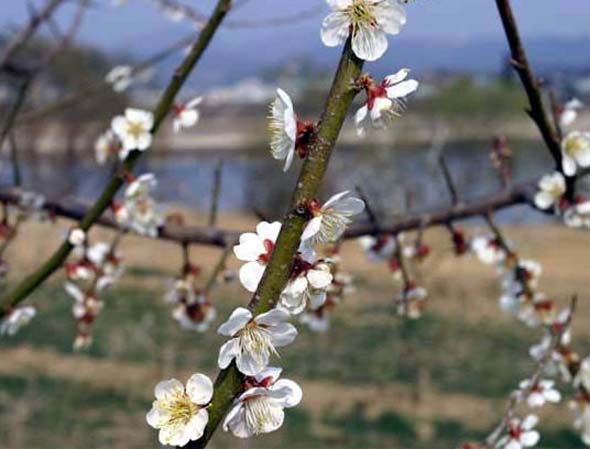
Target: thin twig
[
  {"x": 15, "y": 161},
  {"x": 556, "y": 113},
  {"x": 215, "y": 193},
  {"x": 21, "y": 38},
  {"x": 442, "y": 162},
  {"x": 12, "y": 114}
]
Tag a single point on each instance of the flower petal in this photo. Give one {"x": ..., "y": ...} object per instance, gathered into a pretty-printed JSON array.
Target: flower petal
[
  {"x": 283, "y": 334},
  {"x": 287, "y": 392},
  {"x": 268, "y": 231},
  {"x": 312, "y": 228},
  {"x": 250, "y": 275},
  {"x": 391, "y": 16},
  {"x": 199, "y": 389},
  {"x": 228, "y": 351},
  {"x": 369, "y": 44},
  {"x": 249, "y": 364},
  {"x": 237, "y": 320},
  {"x": 402, "y": 89},
  {"x": 272, "y": 317},
  {"x": 250, "y": 247},
  {"x": 335, "y": 29},
  {"x": 166, "y": 387}
]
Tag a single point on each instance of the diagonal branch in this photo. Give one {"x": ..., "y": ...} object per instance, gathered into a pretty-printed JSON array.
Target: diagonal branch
[{"x": 229, "y": 381}]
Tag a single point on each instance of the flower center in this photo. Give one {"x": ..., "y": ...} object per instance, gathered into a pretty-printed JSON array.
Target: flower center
[
  {"x": 575, "y": 145},
  {"x": 196, "y": 312},
  {"x": 255, "y": 340},
  {"x": 361, "y": 13},
  {"x": 268, "y": 247},
  {"x": 180, "y": 408},
  {"x": 136, "y": 129},
  {"x": 515, "y": 432},
  {"x": 300, "y": 266}
]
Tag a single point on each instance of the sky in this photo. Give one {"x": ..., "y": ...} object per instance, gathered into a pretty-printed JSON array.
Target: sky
[
  {"x": 137, "y": 26},
  {"x": 449, "y": 34}
]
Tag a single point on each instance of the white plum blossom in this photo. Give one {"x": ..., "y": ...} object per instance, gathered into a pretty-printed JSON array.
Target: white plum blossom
[
  {"x": 575, "y": 152},
  {"x": 133, "y": 130},
  {"x": 369, "y": 22},
  {"x": 330, "y": 219},
  {"x": 539, "y": 393},
  {"x": 254, "y": 339},
  {"x": 16, "y": 319},
  {"x": 530, "y": 270},
  {"x": 385, "y": 101},
  {"x": 553, "y": 358},
  {"x": 186, "y": 115},
  {"x": 141, "y": 186},
  {"x": 569, "y": 113},
  {"x": 282, "y": 127},
  {"x": 316, "y": 320},
  {"x": 537, "y": 311},
  {"x": 260, "y": 409},
  {"x": 521, "y": 433},
  {"x": 412, "y": 302},
  {"x": 255, "y": 249},
  {"x": 120, "y": 77},
  {"x": 196, "y": 315},
  {"x": 139, "y": 210},
  {"x": 378, "y": 248},
  {"x": 77, "y": 237},
  {"x": 309, "y": 286},
  {"x": 106, "y": 145},
  {"x": 179, "y": 412},
  {"x": 487, "y": 250},
  {"x": 583, "y": 375},
  {"x": 551, "y": 189},
  {"x": 578, "y": 215}
]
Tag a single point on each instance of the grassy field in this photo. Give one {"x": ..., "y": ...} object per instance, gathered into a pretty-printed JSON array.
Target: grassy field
[{"x": 375, "y": 380}]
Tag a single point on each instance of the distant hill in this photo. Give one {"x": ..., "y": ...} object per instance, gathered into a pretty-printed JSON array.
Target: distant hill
[{"x": 225, "y": 62}]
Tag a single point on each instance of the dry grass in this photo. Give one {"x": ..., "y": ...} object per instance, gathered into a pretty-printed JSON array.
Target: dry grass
[{"x": 461, "y": 289}]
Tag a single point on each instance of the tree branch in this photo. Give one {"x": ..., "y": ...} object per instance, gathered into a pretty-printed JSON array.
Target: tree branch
[{"x": 202, "y": 235}]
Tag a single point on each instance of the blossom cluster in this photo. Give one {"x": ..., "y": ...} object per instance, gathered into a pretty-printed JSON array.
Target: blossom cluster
[
  {"x": 521, "y": 297},
  {"x": 556, "y": 190},
  {"x": 138, "y": 210},
  {"x": 192, "y": 309},
  {"x": 397, "y": 254},
  {"x": 316, "y": 316},
  {"x": 253, "y": 339},
  {"x": 30, "y": 206},
  {"x": 17, "y": 318},
  {"x": 92, "y": 269}
]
